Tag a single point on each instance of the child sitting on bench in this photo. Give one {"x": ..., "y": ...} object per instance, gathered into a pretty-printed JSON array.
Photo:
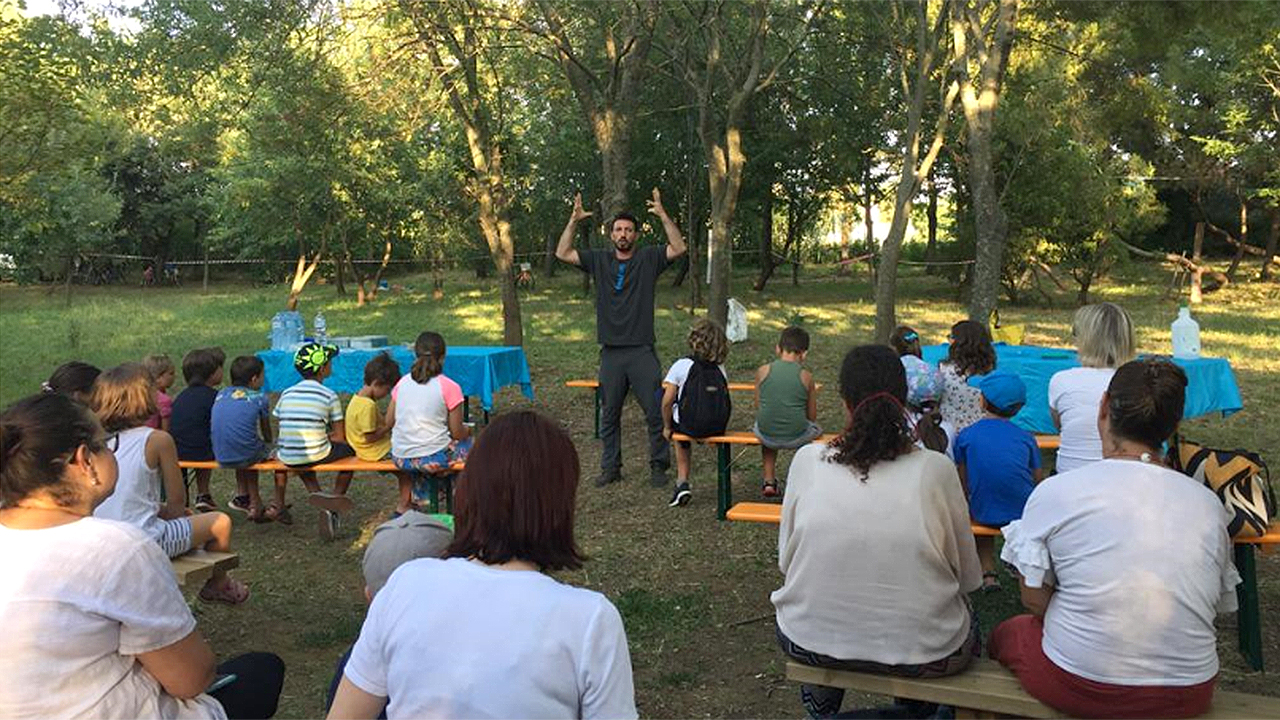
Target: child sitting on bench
[{"x": 787, "y": 404}]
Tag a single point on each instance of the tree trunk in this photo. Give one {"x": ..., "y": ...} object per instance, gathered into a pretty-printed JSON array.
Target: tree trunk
[
  {"x": 204, "y": 281},
  {"x": 915, "y": 167},
  {"x": 846, "y": 240},
  {"x": 1272, "y": 240},
  {"x": 868, "y": 206},
  {"x": 376, "y": 283},
  {"x": 1197, "y": 274},
  {"x": 1244, "y": 240},
  {"x": 355, "y": 271},
  {"x": 301, "y": 274},
  {"x": 766, "y": 242},
  {"x": 339, "y": 271},
  {"x": 991, "y": 59},
  {"x": 931, "y": 249}
]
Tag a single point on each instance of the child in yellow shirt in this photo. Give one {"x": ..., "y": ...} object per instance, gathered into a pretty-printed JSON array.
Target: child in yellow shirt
[{"x": 368, "y": 433}]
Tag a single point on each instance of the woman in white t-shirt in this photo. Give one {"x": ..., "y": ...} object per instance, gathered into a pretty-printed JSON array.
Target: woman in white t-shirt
[
  {"x": 969, "y": 353},
  {"x": 425, "y": 414},
  {"x": 1104, "y": 340},
  {"x": 875, "y": 544},
  {"x": 484, "y": 632},
  {"x": 94, "y": 624},
  {"x": 1124, "y": 565}
]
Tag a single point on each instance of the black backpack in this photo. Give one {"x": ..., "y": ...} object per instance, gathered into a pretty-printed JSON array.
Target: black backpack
[{"x": 704, "y": 401}]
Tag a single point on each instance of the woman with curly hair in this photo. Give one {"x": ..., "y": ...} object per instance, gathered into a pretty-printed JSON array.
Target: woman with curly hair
[
  {"x": 849, "y": 602},
  {"x": 970, "y": 353}
]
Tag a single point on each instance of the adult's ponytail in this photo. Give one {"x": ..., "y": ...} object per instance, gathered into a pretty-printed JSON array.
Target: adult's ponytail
[{"x": 429, "y": 349}]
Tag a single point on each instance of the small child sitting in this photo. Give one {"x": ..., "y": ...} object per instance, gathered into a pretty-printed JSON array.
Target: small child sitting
[
  {"x": 74, "y": 379},
  {"x": 367, "y": 429},
  {"x": 708, "y": 348},
  {"x": 906, "y": 342},
  {"x": 999, "y": 462},
  {"x": 924, "y": 395},
  {"x": 427, "y": 433},
  {"x": 312, "y": 433},
  {"x": 241, "y": 431},
  {"x": 786, "y": 404},
  {"x": 123, "y": 399},
  {"x": 191, "y": 420},
  {"x": 162, "y": 371}
]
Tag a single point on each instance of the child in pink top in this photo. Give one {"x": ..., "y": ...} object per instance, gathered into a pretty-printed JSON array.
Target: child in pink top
[{"x": 161, "y": 369}]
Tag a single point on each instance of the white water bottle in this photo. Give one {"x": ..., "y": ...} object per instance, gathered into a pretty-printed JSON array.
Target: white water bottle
[
  {"x": 322, "y": 334},
  {"x": 1186, "y": 335}
]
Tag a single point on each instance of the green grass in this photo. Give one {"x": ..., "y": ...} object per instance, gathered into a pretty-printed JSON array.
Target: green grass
[{"x": 693, "y": 592}]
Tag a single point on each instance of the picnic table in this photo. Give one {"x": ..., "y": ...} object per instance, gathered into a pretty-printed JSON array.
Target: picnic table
[
  {"x": 480, "y": 370},
  {"x": 1211, "y": 385}
]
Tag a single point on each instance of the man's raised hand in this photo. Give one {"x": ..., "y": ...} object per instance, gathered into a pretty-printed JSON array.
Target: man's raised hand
[
  {"x": 578, "y": 213},
  {"x": 655, "y": 205}
]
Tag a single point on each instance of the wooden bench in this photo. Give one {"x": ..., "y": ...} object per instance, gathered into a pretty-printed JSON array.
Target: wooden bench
[
  {"x": 1248, "y": 614},
  {"x": 724, "y": 489},
  {"x": 594, "y": 386},
  {"x": 197, "y": 566},
  {"x": 351, "y": 464},
  {"x": 988, "y": 689}
]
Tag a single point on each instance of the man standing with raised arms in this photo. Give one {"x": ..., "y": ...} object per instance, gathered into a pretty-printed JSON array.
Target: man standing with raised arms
[{"x": 625, "y": 278}]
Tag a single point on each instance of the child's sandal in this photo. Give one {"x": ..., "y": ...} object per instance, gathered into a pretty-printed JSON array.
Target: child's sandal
[
  {"x": 278, "y": 514},
  {"x": 770, "y": 489},
  {"x": 993, "y": 586},
  {"x": 232, "y": 592},
  {"x": 257, "y": 514}
]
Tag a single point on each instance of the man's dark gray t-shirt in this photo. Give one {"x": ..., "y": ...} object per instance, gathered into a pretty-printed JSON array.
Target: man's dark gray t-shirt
[{"x": 624, "y": 293}]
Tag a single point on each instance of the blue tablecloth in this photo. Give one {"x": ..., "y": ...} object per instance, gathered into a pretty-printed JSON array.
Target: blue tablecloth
[
  {"x": 1211, "y": 386},
  {"x": 480, "y": 371}
]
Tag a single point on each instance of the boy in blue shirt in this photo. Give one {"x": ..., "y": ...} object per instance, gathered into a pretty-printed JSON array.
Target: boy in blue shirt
[
  {"x": 241, "y": 429},
  {"x": 999, "y": 462}
]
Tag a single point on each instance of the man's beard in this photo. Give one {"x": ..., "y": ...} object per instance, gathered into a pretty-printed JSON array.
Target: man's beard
[{"x": 624, "y": 245}]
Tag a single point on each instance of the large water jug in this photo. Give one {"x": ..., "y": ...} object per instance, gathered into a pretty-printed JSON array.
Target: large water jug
[
  {"x": 1186, "y": 335},
  {"x": 277, "y": 332}
]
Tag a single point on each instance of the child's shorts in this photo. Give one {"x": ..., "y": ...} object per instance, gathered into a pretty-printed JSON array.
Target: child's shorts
[
  {"x": 175, "y": 538},
  {"x": 263, "y": 453},
  {"x": 435, "y": 462},
  {"x": 337, "y": 451},
  {"x": 810, "y": 434}
]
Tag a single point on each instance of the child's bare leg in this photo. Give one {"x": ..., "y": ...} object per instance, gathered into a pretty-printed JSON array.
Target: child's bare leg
[
  {"x": 342, "y": 482},
  {"x": 405, "y": 481},
  {"x": 212, "y": 531},
  {"x": 683, "y": 451},
  {"x": 309, "y": 479},
  {"x": 769, "y": 463},
  {"x": 202, "y": 481},
  {"x": 986, "y": 557},
  {"x": 282, "y": 488},
  {"x": 247, "y": 484}
]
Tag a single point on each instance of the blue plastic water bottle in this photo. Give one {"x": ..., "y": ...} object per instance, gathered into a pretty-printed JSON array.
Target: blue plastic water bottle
[{"x": 322, "y": 334}]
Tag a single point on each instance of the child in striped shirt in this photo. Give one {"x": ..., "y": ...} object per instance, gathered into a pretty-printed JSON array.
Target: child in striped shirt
[{"x": 312, "y": 433}]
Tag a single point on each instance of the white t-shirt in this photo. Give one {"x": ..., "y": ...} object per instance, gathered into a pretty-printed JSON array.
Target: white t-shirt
[
  {"x": 456, "y": 639},
  {"x": 876, "y": 570},
  {"x": 136, "y": 499},
  {"x": 1074, "y": 394},
  {"x": 678, "y": 373},
  {"x": 422, "y": 416},
  {"x": 78, "y": 601},
  {"x": 1141, "y": 561}
]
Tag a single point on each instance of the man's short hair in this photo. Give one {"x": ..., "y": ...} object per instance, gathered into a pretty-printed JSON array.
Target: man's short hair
[
  {"x": 199, "y": 365},
  {"x": 794, "y": 340},
  {"x": 624, "y": 216},
  {"x": 382, "y": 370},
  {"x": 244, "y": 369},
  {"x": 395, "y": 542}
]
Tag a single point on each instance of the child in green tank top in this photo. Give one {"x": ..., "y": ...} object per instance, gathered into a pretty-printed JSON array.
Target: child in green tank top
[{"x": 787, "y": 404}]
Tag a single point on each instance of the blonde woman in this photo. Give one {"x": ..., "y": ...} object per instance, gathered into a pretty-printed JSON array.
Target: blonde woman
[{"x": 1104, "y": 340}]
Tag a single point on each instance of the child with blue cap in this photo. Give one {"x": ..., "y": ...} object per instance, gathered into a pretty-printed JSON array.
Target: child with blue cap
[{"x": 999, "y": 462}]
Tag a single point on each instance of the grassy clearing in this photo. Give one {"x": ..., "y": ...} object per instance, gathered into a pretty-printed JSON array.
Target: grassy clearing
[{"x": 693, "y": 592}]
